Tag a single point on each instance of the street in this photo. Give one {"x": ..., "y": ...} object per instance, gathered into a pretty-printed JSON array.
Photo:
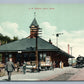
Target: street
[
  {"x": 79, "y": 76},
  {"x": 58, "y": 74},
  {"x": 71, "y": 76}
]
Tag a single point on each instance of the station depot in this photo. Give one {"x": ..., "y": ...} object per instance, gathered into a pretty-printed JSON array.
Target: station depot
[{"x": 25, "y": 50}]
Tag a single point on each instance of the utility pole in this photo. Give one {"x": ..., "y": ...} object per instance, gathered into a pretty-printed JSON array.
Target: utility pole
[
  {"x": 57, "y": 35},
  {"x": 36, "y": 52},
  {"x": 71, "y": 55},
  {"x": 37, "y": 32},
  {"x": 71, "y": 50},
  {"x": 36, "y": 43},
  {"x": 37, "y": 65},
  {"x": 68, "y": 48}
]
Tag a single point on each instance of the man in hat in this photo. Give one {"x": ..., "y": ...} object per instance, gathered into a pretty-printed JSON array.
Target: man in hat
[{"x": 9, "y": 68}]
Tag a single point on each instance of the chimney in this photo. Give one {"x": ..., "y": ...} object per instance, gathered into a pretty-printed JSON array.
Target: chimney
[{"x": 50, "y": 41}]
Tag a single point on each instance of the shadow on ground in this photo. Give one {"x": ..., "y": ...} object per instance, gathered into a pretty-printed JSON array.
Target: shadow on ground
[
  {"x": 62, "y": 77},
  {"x": 5, "y": 80}
]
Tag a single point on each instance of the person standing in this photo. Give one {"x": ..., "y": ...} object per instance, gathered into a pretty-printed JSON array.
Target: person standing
[
  {"x": 9, "y": 68},
  {"x": 60, "y": 64},
  {"x": 53, "y": 65},
  {"x": 24, "y": 67},
  {"x": 18, "y": 66}
]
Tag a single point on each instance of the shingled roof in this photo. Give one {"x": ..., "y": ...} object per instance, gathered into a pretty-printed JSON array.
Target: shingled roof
[{"x": 28, "y": 44}]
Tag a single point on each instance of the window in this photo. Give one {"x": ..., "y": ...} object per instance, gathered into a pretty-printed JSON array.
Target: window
[
  {"x": 26, "y": 57},
  {"x": 32, "y": 57},
  {"x": 41, "y": 56},
  {"x": 44, "y": 56},
  {"x": 6, "y": 57},
  {"x": 18, "y": 57},
  {"x": 0, "y": 57}
]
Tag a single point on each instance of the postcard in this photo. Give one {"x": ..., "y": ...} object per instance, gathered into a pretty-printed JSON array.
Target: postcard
[{"x": 41, "y": 41}]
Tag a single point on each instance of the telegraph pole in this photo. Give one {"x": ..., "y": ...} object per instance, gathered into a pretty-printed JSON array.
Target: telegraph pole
[
  {"x": 71, "y": 55},
  {"x": 36, "y": 51},
  {"x": 57, "y": 35},
  {"x": 37, "y": 65},
  {"x": 36, "y": 43}
]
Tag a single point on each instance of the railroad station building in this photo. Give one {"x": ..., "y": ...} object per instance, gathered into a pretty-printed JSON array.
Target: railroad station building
[{"x": 24, "y": 49}]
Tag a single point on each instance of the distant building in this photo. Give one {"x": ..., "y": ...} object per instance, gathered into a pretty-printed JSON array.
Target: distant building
[{"x": 24, "y": 49}]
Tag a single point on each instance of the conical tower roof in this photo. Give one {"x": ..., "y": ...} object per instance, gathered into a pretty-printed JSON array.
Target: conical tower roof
[{"x": 34, "y": 23}]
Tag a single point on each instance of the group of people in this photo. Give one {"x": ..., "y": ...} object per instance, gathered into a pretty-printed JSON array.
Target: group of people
[
  {"x": 10, "y": 68},
  {"x": 24, "y": 67},
  {"x": 61, "y": 64}
]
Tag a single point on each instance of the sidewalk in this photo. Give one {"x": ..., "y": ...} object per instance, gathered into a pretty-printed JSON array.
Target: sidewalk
[{"x": 40, "y": 76}]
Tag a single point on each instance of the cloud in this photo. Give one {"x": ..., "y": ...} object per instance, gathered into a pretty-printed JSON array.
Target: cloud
[
  {"x": 12, "y": 29},
  {"x": 76, "y": 41},
  {"x": 48, "y": 30},
  {"x": 74, "y": 38}
]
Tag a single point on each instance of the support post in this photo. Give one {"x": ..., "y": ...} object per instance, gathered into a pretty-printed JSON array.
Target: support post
[{"x": 37, "y": 60}]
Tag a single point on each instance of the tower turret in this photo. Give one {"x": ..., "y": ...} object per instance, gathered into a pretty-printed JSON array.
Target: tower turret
[{"x": 34, "y": 28}]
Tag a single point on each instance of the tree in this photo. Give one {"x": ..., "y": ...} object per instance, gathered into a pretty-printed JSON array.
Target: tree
[
  {"x": 6, "y": 39},
  {"x": 15, "y": 38}
]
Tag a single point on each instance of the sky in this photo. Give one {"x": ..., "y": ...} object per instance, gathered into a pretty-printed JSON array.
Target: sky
[{"x": 66, "y": 18}]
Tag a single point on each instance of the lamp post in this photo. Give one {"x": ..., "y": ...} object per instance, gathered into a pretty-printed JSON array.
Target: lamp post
[{"x": 57, "y": 35}]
